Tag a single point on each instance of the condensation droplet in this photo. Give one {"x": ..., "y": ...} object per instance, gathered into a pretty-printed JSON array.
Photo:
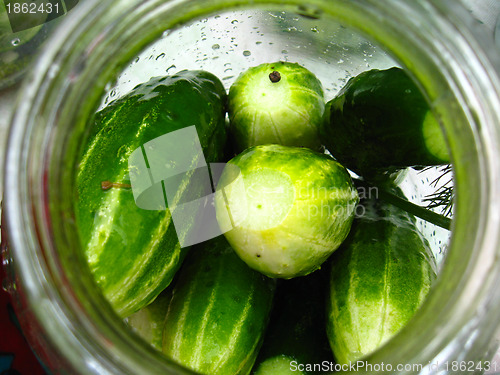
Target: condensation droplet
[
  {"x": 160, "y": 56},
  {"x": 15, "y": 42},
  {"x": 171, "y": 67},
  {"x": 215, "y": 46},
  {"x": 234, "y": 21},
  {"x": 247, "y": 53}
]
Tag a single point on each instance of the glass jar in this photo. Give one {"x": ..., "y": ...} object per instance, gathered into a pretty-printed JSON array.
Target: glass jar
[{"x": 66, "y": 319}]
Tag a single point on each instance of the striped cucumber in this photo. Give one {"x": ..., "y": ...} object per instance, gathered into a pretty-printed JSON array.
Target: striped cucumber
[
  {"x": 296, "y": 341},
  {"x": 379, "y": 277},
  {"x": 219, "y": 311},
  {"x": 380, "y": 121},
  {"x": 133, "y": 253}
]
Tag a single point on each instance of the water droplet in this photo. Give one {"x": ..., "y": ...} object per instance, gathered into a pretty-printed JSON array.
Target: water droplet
[
  {"x": 284, "y": 51},
  {"x": 136, "y": 59},
  {"x": 314, "y": 29},
  {"x": 258, "y": 42},
  {"x": 247, "y": 53},
  {"x": 215, "y": 46},
  {"x": 15, "y": 42},
  {"x": 160, "y": 56},
  {"x": 171, "y": 67},
  {"x": 234, "y": 22}
]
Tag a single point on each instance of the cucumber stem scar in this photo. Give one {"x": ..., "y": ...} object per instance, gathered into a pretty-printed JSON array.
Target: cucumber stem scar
[
  {"x": 275, "y": 76},
  {"x": 106, "y": 185}
]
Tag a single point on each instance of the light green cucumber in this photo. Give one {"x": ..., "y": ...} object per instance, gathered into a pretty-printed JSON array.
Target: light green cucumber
[
  {"x": 379, "y": 277},
  {"x": 218, "y": 313},
  {"x": 280, "y": 103},
  {"x": 285, "y": 209},
  {"x": 132, "y": 252},
  {"x": 381, "y": 121}
]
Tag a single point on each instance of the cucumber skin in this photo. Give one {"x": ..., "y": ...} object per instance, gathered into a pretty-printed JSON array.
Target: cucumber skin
[
  {"x": 218, "y": 313},
  {"x": 134, "y": 254},
  {"x": 384, "y": 265},
  {"x": 295, "y": 119},
  {"x": 296, "y": 330},
  {"x": 375, "y": 124}
]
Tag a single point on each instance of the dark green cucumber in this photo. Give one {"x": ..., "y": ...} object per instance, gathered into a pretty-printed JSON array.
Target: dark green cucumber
[
  {"x": 219, "y": 311},
  {"x": 379, "y": 277},
  {"x": 296, "y": 341},
  {"x": 133, "y": 253},
  {"x": 380, "y": 121}
]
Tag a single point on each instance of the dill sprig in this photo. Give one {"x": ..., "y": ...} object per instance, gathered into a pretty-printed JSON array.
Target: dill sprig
[{"x": 443, "y": 198}]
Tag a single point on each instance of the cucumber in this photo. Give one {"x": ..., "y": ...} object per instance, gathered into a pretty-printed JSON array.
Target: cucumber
[
  {"x": 283, "y": 209},
  {"x": 379, "y": 277},
  {"x": 280, "y": 103},
  {"x": 132, "y": 252},
  {"x": 218, "y": 313},
  {"x": 149, "y": 321},
  {"x": 380, "y": 121},
  {"x": 296, "y": 341}
]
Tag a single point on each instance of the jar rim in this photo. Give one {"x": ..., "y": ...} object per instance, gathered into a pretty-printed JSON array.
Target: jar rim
[{"x": 469, "y": 66}]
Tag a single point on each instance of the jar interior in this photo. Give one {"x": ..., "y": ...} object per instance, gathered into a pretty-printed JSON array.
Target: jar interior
[{"x": 228, "y": 43}]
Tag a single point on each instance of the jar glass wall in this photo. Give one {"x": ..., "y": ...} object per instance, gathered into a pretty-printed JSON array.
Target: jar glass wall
[{"x": 94, "y": 56}]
